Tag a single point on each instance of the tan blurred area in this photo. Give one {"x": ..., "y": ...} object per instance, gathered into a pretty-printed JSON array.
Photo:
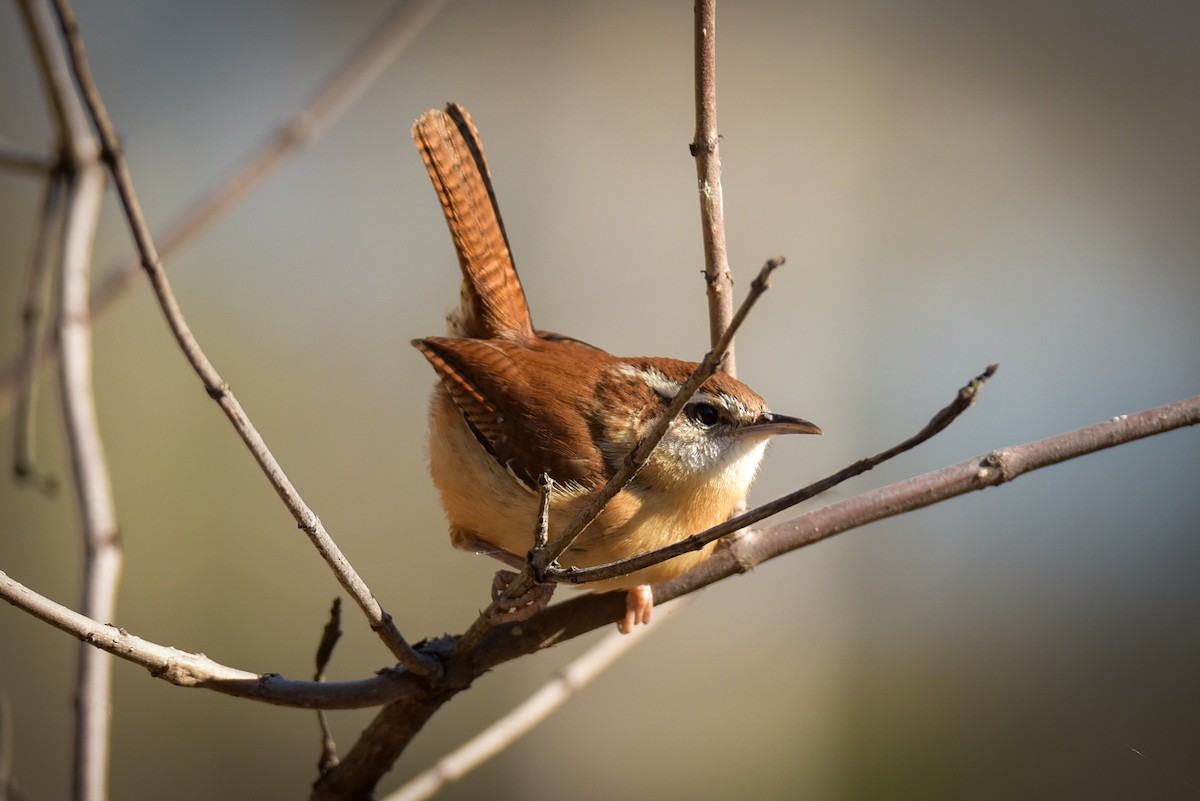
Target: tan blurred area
[{"x": 952, "y": 183}]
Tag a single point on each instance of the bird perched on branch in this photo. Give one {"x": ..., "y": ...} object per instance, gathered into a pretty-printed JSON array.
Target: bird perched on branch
[{"x": 513, "y": 403}]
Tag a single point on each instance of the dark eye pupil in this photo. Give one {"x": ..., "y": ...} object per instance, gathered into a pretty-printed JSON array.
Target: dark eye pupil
[{"x": 704, "y": 414}]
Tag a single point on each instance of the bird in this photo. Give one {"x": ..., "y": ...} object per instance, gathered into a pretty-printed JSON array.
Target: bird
[{"x": 513, "y": 403}]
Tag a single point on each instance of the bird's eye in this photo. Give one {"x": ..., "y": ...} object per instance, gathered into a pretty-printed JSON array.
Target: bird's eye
[{"x": 704, "y": 415}]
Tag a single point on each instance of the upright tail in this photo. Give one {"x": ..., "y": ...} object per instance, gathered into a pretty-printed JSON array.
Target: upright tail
[{"x": 493, "y": 303}]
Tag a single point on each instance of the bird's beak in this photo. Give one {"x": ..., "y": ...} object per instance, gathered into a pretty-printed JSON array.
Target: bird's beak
[{"x": 770, "y": 424}]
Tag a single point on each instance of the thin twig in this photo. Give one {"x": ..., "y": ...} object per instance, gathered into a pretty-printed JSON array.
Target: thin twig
[
  {"x": 541, "y": 559},
  {"x": 638, "y": 456},
  {"x": 32, "y": 324},
  {"x": 705, "y": 148},
  {"x": 329, "y": 637},
  {"x": 368, "y": 62},
  {"x": 380, "y": 621},
  {"x": 962, "y": 401},
  {"x": 566, "y": 682}
]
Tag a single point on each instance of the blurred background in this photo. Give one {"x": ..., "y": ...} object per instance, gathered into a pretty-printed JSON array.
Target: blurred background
[{"x": 952, "y": 183}]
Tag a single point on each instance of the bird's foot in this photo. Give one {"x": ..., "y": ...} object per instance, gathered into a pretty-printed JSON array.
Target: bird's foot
[
  {"x": 639, "y": 603},
  {"x": 522, "y": 607}
]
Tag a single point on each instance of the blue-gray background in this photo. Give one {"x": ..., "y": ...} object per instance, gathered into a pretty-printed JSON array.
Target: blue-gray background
[{"x": 953, "y": 183}]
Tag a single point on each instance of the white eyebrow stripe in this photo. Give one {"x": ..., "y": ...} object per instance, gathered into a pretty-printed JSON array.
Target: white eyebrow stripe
[
  {"x": 657, "y": 381},
  {"x": 667, "y": 388}
]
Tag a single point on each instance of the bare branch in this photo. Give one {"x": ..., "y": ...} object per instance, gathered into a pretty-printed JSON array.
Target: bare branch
[
  {"x": 93, "y": 486},
  {"x": 186, "y": 669},
  {"x": 705, "y": 148},
  {"x": 380, "y": 621}
]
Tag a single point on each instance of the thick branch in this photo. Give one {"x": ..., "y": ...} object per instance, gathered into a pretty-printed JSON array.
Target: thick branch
[{"x": 561, "y": 687}]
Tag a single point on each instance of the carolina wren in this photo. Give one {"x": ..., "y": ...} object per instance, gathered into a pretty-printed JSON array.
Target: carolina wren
[{"x": 513, "y": 402}]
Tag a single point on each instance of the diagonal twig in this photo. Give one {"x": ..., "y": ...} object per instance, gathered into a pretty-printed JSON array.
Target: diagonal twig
[
  {"x": 540, "y": 560},
  {"x": 947, "y": 415},
  {"x": 638, "y": 456},
  {"x": 112, "y": 154}
]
